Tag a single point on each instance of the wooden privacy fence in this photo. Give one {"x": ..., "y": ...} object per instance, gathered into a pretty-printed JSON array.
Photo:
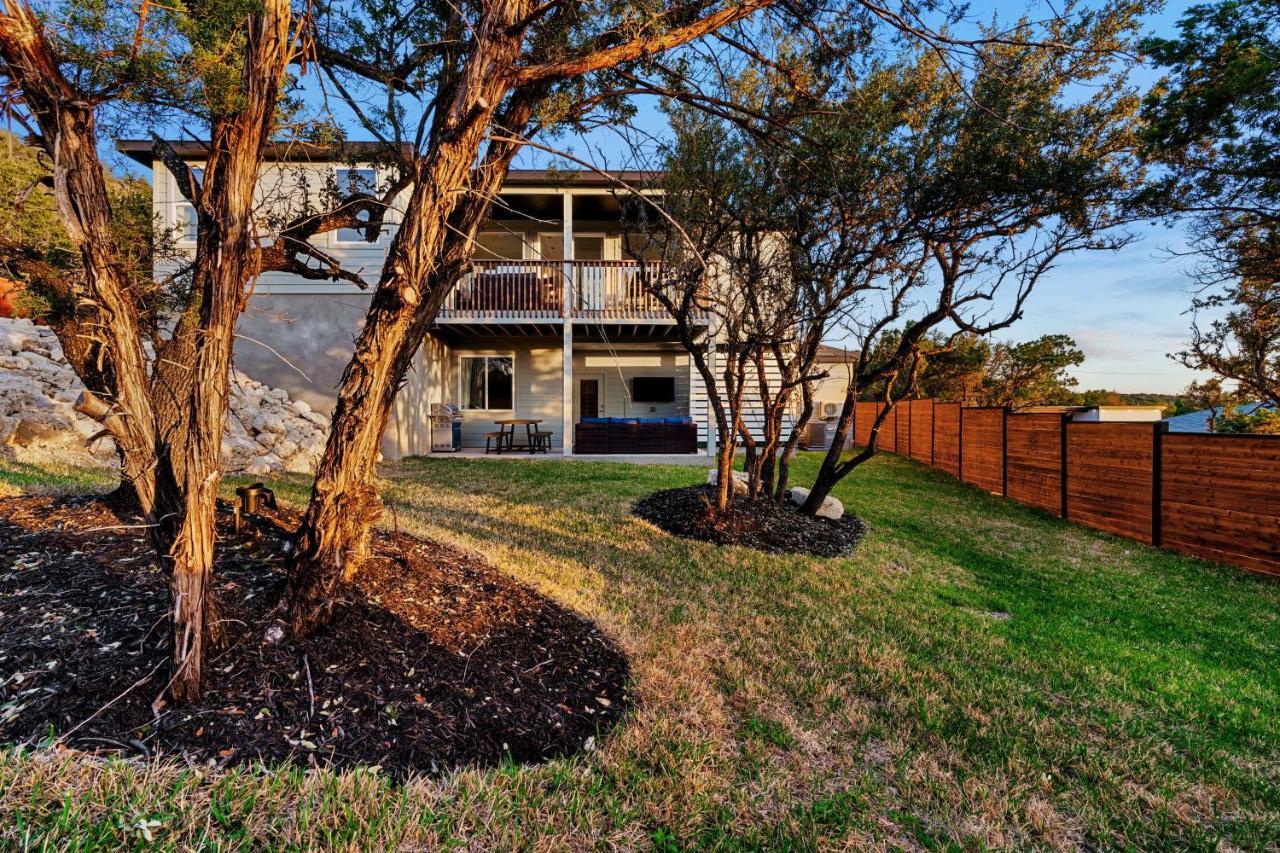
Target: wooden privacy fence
[{"x": 1211, "y": 496}]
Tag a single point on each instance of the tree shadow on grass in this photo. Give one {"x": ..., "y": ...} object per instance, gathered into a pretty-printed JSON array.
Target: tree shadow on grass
[{"x": 436, "y": 661}]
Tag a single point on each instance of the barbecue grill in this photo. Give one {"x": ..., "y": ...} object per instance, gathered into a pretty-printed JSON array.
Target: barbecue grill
[{"x": 446, "y": 428}]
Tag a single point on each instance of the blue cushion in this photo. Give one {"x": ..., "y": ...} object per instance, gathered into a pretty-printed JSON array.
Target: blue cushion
[
  {"x": 624, "y": 420},
  {"x": 595, "y": 420},
  {"x": 649, "y": 420},
  {"x": 678, "y": 420}
]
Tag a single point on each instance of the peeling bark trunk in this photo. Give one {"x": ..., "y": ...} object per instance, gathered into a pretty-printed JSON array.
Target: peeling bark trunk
[
  {"x": 226, "y": 249},
  {"x": 449, "y": 201},
  {"x": 102, "y": 335}
]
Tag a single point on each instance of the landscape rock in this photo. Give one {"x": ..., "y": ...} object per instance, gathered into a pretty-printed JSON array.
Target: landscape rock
[
  {"x": 831, "y": 508},
  {"x": 267, "y": 432},
  {"x": 740, "y": 480}
]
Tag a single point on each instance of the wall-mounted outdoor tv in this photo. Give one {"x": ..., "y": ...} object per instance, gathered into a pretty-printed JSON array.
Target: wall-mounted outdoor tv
[{"x": 653, "y": 389}]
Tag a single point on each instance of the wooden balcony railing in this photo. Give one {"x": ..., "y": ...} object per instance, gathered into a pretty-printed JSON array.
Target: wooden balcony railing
[
  {"x": 616, "y": 290},
  {"x": 534, "y": 290},
  {"x": 508, "y": 290}
]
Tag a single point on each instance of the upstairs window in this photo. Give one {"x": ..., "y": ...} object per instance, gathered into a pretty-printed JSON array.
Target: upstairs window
[
  {"x": 353, "y": 181},
  {"x": 488, "y": 382},
  {"x": 186, "y": 222}
]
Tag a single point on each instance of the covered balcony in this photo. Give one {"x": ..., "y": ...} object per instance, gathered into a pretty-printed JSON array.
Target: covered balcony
[{"x": 555, "y": 256}]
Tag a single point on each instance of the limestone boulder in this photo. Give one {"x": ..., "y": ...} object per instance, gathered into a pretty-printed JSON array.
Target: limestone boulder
[
  {"x": 831, "y": 507},
  {"x": 740, "y": 480},
  {"x": 267, "y": 432}
]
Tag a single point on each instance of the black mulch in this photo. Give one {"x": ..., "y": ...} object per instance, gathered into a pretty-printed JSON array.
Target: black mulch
[
  {"x": 437, "y": 660},
  {"x": 764, "y": 525}
]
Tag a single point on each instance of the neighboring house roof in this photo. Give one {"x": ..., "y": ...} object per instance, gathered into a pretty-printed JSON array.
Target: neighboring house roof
[
  {"x": 140, "y": 151},
  {"x": 1199, "y": 421},
  {"x": 828, "y": 354}
]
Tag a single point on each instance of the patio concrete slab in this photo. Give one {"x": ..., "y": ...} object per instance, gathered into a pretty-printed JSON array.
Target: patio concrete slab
[{"x": 555, "y": 455}]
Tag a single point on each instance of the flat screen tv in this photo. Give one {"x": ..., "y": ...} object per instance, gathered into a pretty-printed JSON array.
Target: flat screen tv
[{"x": 653, "y": 389}]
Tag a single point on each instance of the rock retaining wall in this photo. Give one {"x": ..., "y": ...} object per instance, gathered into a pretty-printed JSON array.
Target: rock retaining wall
[{"x": 266, "y": 431}]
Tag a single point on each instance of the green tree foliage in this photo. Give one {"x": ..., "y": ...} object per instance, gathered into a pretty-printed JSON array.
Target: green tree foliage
[
  {"x": 1242, "y": 342},
  {"x": 34, "y": 246},
  {"x": 1259, "y": 421},
  {"x": 1032, "y": 373},
  {"x": 1213, "y": 122}
]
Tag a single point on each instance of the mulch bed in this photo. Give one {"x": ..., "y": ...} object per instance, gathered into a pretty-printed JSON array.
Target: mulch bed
[
  {"x": 437, "y": 660},
  {"x": 763, "y": 525}
]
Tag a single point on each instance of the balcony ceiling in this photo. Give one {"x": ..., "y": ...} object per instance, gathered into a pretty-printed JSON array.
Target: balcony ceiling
[{"x": 550, "y": 206}]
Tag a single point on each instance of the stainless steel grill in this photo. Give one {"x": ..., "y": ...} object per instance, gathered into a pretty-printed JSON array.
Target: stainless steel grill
[{"x": 446, "y": 427}]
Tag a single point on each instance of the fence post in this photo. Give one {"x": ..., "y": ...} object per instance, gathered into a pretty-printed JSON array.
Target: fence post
[
  {"x": 1157, "y": 474},
  {"x": 1062, "y": 479},
  {"x": 1004, "y": 452}
]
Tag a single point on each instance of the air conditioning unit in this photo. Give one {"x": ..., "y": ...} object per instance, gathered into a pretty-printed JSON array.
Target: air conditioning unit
[
  {"x": 816, "y": 439},
  {"x": 831, "y": 410}
]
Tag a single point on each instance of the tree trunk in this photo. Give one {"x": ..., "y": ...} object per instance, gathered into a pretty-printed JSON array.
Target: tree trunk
[
  {"x": 449, "y": 201},
  {"x": 225, "y": 251},
  {"x": 106, "y": 345},
  {"x": 833, "y": 470},
  {"x": 793, "y": 442}
]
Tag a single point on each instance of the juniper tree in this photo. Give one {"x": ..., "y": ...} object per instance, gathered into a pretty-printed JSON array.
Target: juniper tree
[
  {"x": 1008, "y": 170},
  {"x": 226, "y": 63}
]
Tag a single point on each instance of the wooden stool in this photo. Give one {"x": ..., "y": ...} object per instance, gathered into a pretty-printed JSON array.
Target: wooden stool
[{"x": 498, "y": 438}]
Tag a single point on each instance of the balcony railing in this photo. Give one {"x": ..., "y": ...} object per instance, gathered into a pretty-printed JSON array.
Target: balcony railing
[{"x": 534, "y": 290}]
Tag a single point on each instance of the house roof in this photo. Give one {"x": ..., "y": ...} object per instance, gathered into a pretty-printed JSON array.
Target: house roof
[
  {"x": 140, "y": 151},
  {"x": 828, "y": 354},
  {"x": 1199, "y": 421}
]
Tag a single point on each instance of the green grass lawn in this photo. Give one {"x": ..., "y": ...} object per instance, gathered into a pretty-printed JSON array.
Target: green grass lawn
[{"x": 977, "y": 675}]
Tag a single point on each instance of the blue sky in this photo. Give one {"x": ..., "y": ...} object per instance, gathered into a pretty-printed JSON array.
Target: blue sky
[{"x": 1125, "y": 309}]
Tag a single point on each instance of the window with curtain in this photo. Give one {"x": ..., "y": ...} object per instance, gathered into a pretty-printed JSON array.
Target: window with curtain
[
  {"x": 488, "y": 382},
  {"x": 353, "y": 181}
]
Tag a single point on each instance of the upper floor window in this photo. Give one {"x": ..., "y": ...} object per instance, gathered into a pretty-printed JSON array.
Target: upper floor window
[
  {"x": 186, "y": 222},
  {"x": 352, "y": 181}
]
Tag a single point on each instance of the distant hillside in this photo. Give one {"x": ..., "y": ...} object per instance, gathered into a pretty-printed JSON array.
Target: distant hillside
[{"x": 1173, "y": 404}]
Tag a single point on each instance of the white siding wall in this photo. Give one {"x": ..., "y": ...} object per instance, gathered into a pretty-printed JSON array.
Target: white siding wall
[
  {"x": 538, "y": 385},
  {"x": 282, "y": 181},
  {"x": 309, "y": 325},
  {"x": 409, "y": 433},
  {"x": 619, "y": 367}
]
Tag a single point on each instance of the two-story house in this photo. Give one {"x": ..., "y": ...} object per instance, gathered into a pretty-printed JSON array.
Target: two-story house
[{"x": 553, "y": 323}]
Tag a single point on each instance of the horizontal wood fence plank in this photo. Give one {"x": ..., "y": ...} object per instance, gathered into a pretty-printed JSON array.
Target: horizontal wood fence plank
[
  {"x": 1221, "y": 499},
  {"x": 1110, "y": 471},
  {"x": 946, "y": 438},
  {"x": 1035, "y": 460},
  {"x": 920, "y": 427},
  {"x": 982, "y": 448}
]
